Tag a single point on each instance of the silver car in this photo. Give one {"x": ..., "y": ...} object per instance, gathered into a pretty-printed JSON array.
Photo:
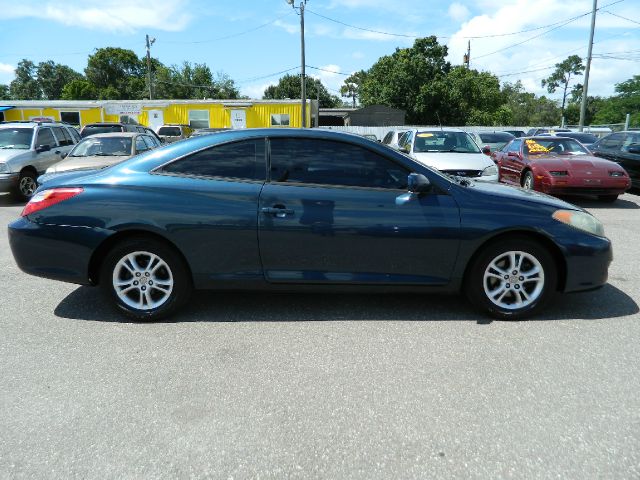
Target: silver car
[
  {"x": 103, "y": 150},
  {"x": 27, "y": 149}
]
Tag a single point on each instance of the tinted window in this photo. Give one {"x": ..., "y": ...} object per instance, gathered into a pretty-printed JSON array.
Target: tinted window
[
  {"x": 141, "y": 146},
  {"x": 613, "y": 141},
  {"x": 169, "y": 131},
  {"x": 496, "y": 137},
  {"x": 327, "y": 162},
  {"x": 74, "y": 134},
  {"x": 513, "y": 146},
  {"x": 243, "y": 160},
  {"x": 150, "y": 141},
  {"x": 45, "y": 137},
  {"x": 63, "y": 136},
  {"x": 93, "y": 129}
]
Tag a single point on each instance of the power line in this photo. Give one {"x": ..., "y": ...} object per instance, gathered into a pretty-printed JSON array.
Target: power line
[
  {"x": 330, "y": 71},
  {"x": 624, "y": 18}
]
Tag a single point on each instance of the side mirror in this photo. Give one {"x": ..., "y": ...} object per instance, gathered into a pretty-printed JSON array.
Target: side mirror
[
  {"x": 43, "y": 148},
  {"x": 64, "y": 154},
  {"x": 486, "y": 150},
  {"x": 418, "y": 183}
]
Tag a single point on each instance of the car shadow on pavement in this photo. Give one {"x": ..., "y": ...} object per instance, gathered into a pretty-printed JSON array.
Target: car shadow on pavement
[
  {"x": 590, "y": 203},
  {"x": 86, "y": 303},
  {"x": 8, "y": 200}
]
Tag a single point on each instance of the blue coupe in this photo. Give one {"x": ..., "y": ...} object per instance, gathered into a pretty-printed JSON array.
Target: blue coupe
[{"x": 302, "y": 209}]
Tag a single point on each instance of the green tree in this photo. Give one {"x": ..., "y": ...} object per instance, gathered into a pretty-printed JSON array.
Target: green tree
[
  {"x": 116, "y": 72},
  {"x": 25, "y": 85},
  {"x": 52, "y": 77},
  {"x": 289, "y": 87},
  {"x": 627, "y": 101},
  {"x": 193, "y": 81},
  {"x": 4, "y": 92},
  {"x": 79, "y": 90},
  {"x": 409, "y": 79},
  {"x": 561, "y": 77},
  {"x": 351, "y": 87}
]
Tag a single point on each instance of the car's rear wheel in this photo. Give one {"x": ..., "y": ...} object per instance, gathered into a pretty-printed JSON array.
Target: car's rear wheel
[
  {"x": 528, "y": 181},
  {"x": 27, "y": 185},
  {"x": 607, "y": 198},
  {"x": 145, "y": 278},
  {"x": 512, "y": 278}
]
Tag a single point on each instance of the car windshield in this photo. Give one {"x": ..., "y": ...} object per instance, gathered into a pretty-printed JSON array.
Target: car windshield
[
  {"x": 18, "y": 138},
  {"x": 553, "y": 146},
  {"x": 107, "y": 146},
  {"x": 581, "y": 137},
  {"x": 95, "y": 129},
  {"x": 169, "y": 131},
  {"x": 443, "y": 141}
]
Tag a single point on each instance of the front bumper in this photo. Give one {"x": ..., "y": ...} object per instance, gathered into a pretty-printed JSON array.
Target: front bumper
[
  {"x": 570, "y": 186},
  {"x": 51, "y": 251},
  {"x": 8, "y": 181},
  {"x": 588, "y": 261}
]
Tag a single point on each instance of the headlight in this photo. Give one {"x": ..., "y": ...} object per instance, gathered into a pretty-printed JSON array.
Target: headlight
[
  {"x": 580, "y": 220},
  {"x": 4, "y": 168},
  {"x": 492, "y": 170}
]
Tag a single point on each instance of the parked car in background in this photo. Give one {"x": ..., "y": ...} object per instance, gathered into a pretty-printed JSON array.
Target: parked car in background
[
  {"x": 537, "y": 131},
  {"x": 493, "y": 140},
  {"x": 206, "y": 131},
  {"x": 108, "y": 127},
  {"x": 560, "y": 166},
  {"x": 27, "y": 149},
  {"x": 286, "y": 209},
  {"x": 516, "y": 133},
  {"x": 586, "y": 139},
  {"x": 102, "y": 150},
  {"x": 392, "y": 137},
  {"x": 622, "y": 148},
  {"x": 173, "y": 133},
  {"x": 449, "y": 150}
]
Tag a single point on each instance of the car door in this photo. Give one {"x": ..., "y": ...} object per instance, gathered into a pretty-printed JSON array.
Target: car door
[
  {"x": 47, "y": 151},
  {"x": 629, "y": 155},
  {"x": 335, "y": 212},
  {"x": 211, "y": 206},
  {"x": 510, "y": 163}
]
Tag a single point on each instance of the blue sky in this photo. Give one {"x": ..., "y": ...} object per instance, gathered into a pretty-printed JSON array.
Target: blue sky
[{"x": 253, "y": 40}]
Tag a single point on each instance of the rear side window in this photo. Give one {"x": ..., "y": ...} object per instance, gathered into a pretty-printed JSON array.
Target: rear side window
[
  {"x": 74, "y": 134},
  {"x": 94, "y": 129},
  {"x": 326, "y": 162},
  {"x": 243, "y": 160},
  {"x": 169, "y": 131},
  {"x": 63, "y": 136}
]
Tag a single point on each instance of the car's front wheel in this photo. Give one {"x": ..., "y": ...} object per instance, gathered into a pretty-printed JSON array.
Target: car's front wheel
[
  {"x": 145, "y": 278},
  {"x": 512, "y": 278},
  {"x": 528, "y": 181}
]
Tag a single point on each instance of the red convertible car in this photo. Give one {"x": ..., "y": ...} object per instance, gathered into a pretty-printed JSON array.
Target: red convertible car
[{"x": 559, "y": 166}]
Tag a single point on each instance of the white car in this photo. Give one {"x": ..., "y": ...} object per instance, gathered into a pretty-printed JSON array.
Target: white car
[{"x": 451, "y": 151}]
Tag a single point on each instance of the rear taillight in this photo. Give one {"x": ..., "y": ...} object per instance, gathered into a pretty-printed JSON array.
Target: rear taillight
[{"x": 46, "y": 198}]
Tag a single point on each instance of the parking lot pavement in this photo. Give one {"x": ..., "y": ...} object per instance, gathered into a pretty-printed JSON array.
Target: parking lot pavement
[{"x": 322, "y": 386}]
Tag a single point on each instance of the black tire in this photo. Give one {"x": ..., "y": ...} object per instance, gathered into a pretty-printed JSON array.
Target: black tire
[
  {"x": 533, "y": 290},
  {"x": 528, "y": 181},
  {"x": 607, "y": 198},
  {"x": 139, "y": 297},
  {"x": 26, "y": 186}
]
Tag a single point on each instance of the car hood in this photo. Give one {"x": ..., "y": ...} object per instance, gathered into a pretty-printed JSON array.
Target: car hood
[
  {"x": 520, "y": 194},
  {"x": 83, "y": 163},
  {"x": 454, "y": 160},
  {"x": 7, "y": 154},
  {"x": 575, "y": 163}
]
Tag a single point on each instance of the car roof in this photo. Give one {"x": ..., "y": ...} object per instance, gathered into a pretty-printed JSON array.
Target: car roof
[{"x": 116, "y": 134}]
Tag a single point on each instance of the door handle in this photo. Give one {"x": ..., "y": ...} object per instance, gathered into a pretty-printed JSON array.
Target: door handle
[{"x": 277, "y": 210}]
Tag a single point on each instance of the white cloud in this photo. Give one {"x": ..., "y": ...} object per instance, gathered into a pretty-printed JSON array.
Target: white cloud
[
  {"x": 119, "y": 16},
  {"x": 256, "y": 90},
  {"x": 288, "y": 27},
  {"x": 7, "y": 73},
  {"x": 458, "y": 12}
]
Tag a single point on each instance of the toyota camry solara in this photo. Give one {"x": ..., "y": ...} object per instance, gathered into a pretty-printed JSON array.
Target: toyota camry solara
[{"x": 288, "y": 209}]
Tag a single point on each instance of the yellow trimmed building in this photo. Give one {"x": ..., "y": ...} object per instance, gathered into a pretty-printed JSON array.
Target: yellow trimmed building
[{"x": 153, "y": 113}]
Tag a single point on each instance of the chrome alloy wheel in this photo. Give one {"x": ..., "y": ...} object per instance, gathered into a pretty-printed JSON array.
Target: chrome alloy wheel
[
  {"x": 142, "y": 280},
  {"x": 528, "y": 182},
  {"x": 27, "y": 185},
  {"x": 513, "y": 280}
]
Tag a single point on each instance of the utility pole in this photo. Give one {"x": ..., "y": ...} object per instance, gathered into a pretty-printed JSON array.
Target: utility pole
[
  {"x": 303, "y": 90},
  {"x": 585, "y": 86},
  {"x": 467, "y": 56},
  {"x": 150, "y": 41}
]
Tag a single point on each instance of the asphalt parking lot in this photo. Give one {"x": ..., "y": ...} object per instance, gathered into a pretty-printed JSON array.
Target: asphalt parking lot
[{"x": 322, "y": 386}]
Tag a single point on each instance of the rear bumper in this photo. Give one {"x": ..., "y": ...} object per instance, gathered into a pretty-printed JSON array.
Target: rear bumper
[
  {"x": 8, "y": 181},
  {"x": 56, "y": 252}
]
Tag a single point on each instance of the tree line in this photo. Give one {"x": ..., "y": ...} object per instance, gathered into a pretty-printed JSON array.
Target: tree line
[{"x": 418, "y": 80}]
